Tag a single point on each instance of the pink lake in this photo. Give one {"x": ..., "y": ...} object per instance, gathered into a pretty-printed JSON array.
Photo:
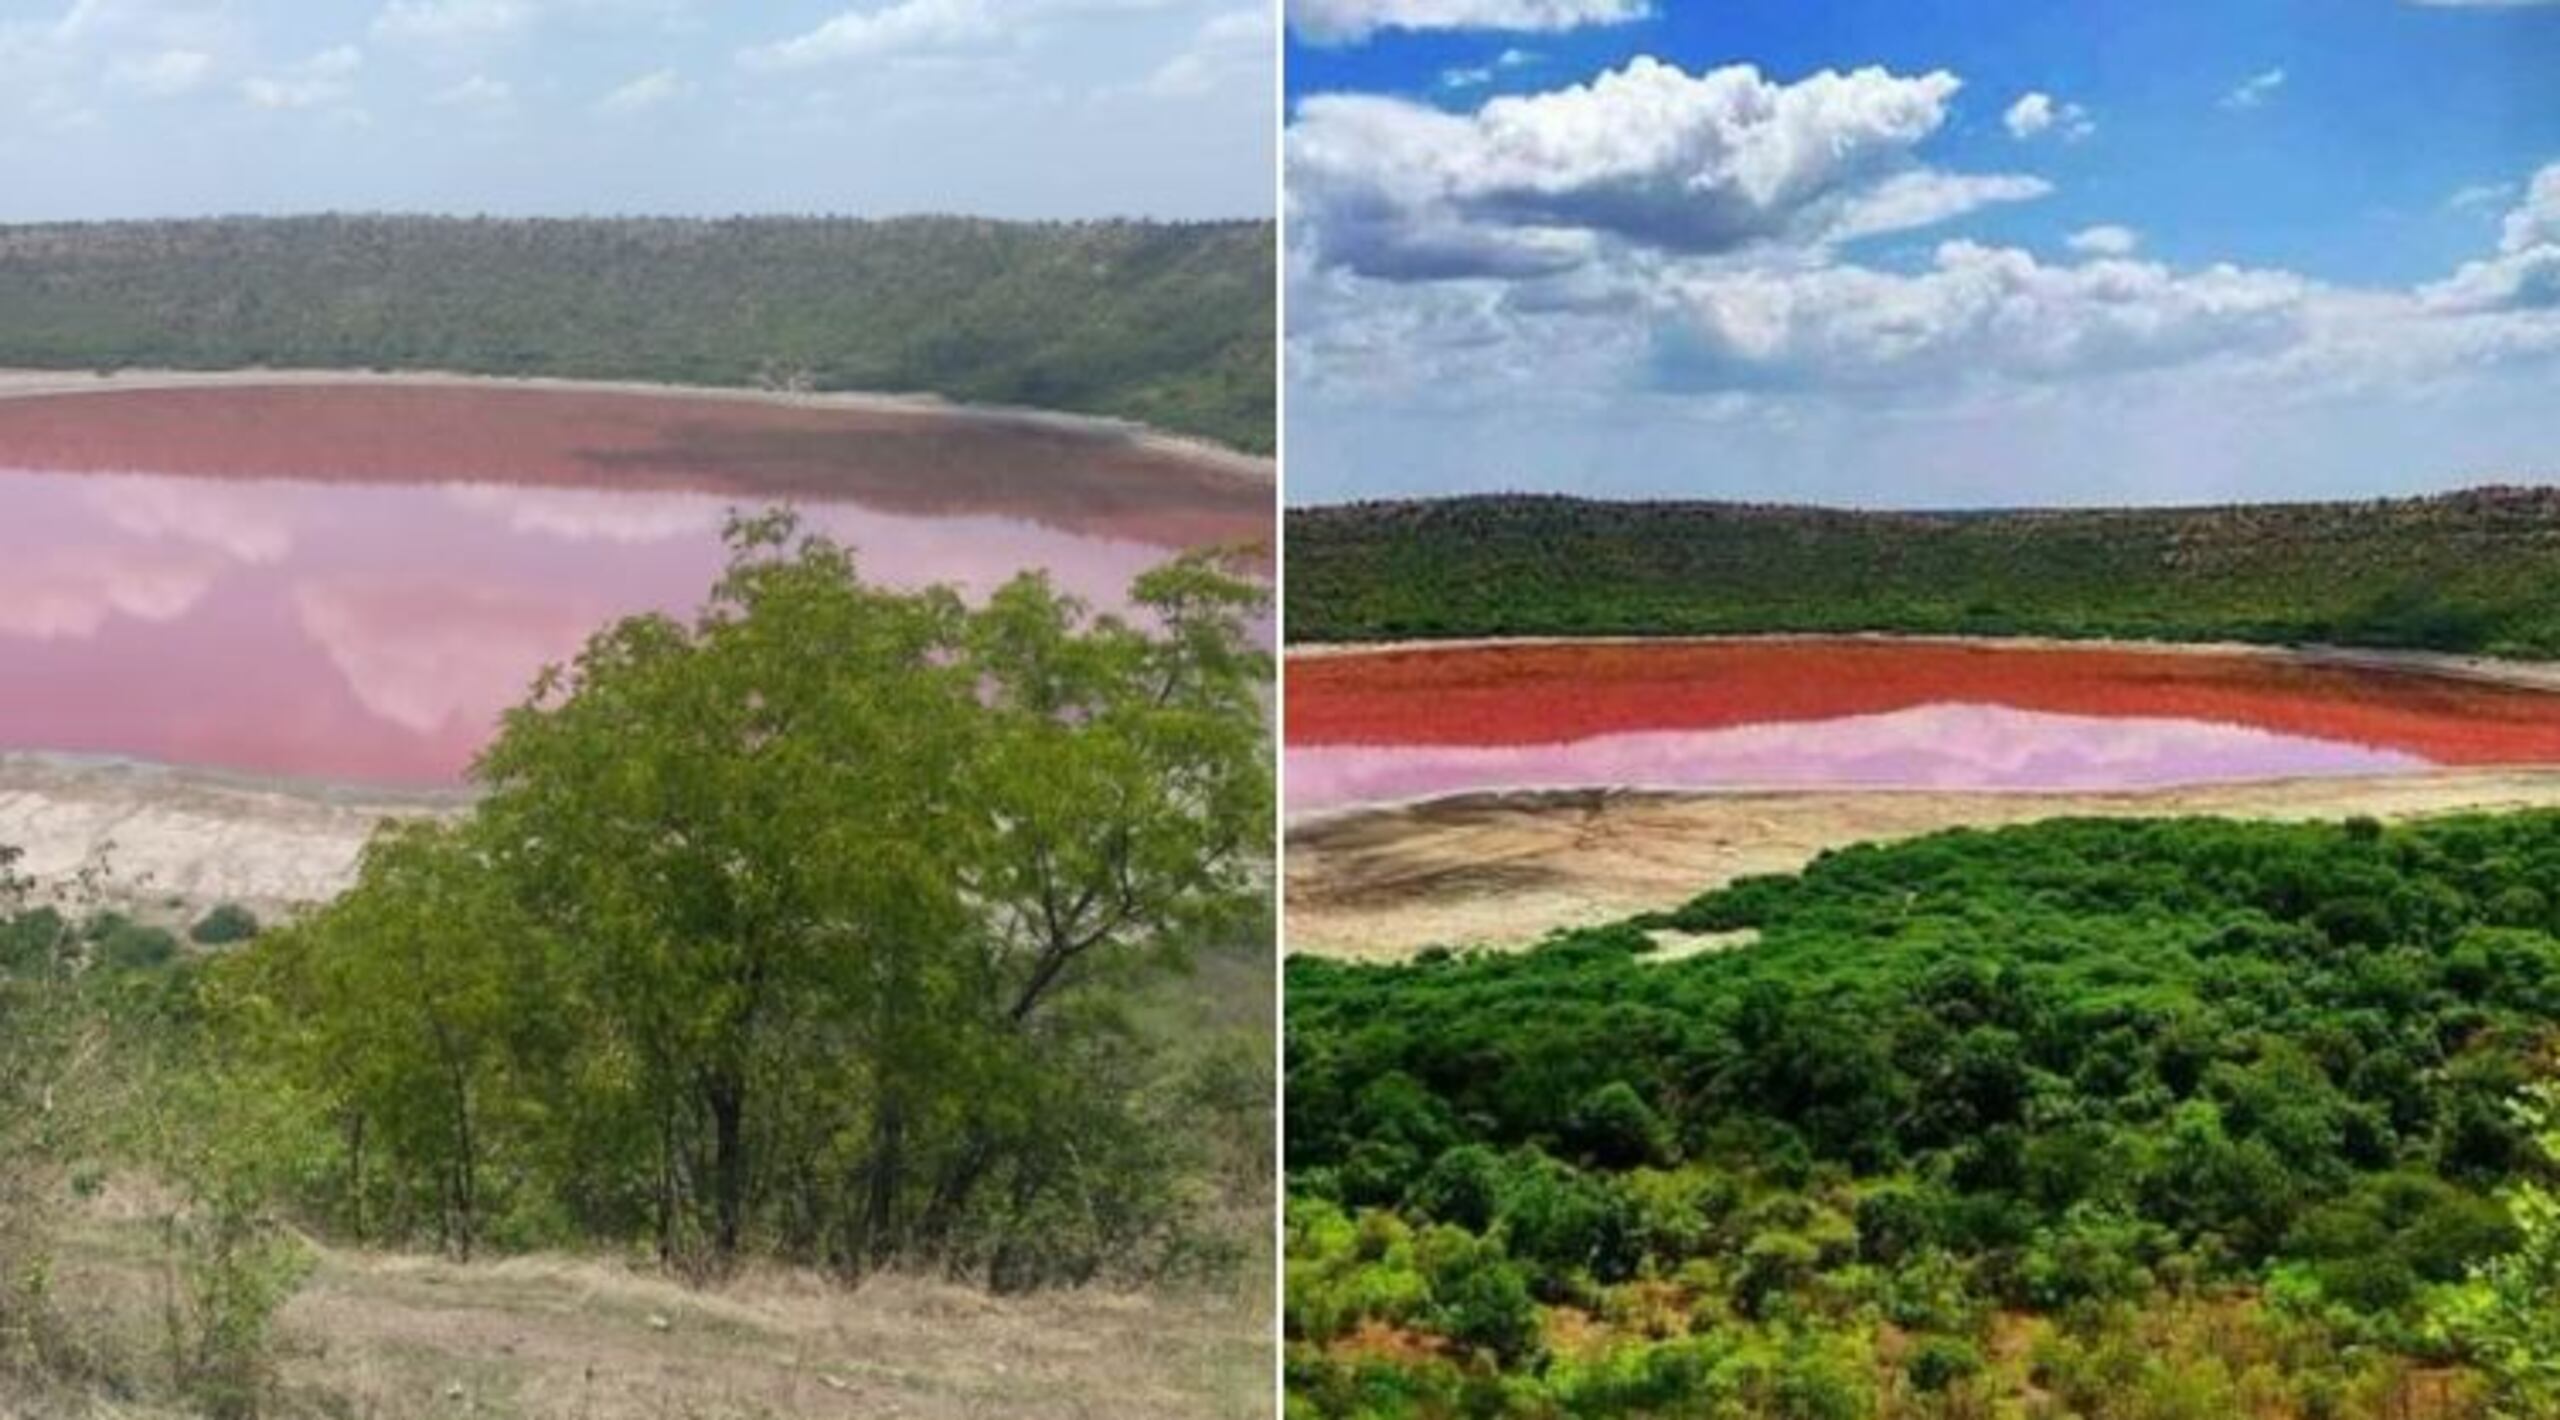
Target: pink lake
[
  {"x": 350, "y": 583},
  {"x": 1793, "y": 713},
  {"x": 1948, "y": 746}
]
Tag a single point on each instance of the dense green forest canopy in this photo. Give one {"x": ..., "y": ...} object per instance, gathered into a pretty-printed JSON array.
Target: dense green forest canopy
[
  {"x": 1169, "y": 324},
  {"x": 2477, "y": 571},
  {"x": 2152, "y": 1118}
]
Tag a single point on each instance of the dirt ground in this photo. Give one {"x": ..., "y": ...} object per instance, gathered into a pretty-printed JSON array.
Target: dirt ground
[
  {"x": 186, "y": 840},
  {"x": 1505, "y": 870},
  {"x": 397, "y": 1337}
]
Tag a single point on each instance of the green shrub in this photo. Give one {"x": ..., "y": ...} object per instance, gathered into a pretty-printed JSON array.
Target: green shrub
[{"x": 225, "y": 925}]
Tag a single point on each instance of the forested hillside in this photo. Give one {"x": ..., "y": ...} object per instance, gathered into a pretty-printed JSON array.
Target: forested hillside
[
  {"x": 1168, "y": 324},
  {"x": 2120, "y": 1120},
  {"x": 2477, "y": 571}
]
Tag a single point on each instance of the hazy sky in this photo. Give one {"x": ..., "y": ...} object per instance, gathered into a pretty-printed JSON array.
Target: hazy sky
[
  {"x": 1034, "y": 108},
  {"x": 1879, "y": 252}
]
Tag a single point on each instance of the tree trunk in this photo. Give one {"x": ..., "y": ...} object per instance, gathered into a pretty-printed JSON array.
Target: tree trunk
[
  {"x": 727, "y": 1099},
  {"x": 880, "y": 1203}
]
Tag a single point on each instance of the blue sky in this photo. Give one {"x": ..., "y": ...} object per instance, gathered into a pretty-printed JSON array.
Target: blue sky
[
  {"x": 2001, "y": 251},
  {"x": 1018, "y": 108}
]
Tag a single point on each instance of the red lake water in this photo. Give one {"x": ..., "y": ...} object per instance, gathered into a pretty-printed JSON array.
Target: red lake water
[
  {"x": 350, "y": 582},
  {"x": 1873, "y": 714}
]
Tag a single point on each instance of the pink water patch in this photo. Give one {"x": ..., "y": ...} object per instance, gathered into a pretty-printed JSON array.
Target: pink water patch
[
  {"x": 1950, "y": 746},
  {"x": 372, "y": 631}
]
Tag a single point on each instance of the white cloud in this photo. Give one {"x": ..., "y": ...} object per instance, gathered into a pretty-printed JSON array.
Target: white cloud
[
  {"x": 2525, "y": 272},
  {"x": 2255, "y": 91},
  {"x": 877, "y": 31},
  {"x": 864, "y": 34},
  {"x": 325, "y": 80},
  {"x": 1925, "y": 198},
  {"x": 1978, "y": 311},
  {"x": 2535, "y": 222},
  {"x": 165, "y": 73},
  {"x": 1467, "y": 77},
  {"x": 2480, "y": 196},
  {"x": 649, "y": 91},
  {"x": 2037, "y": 113},
  {"x": 450, "y": 21},
  {"x": 1235, "y": 47},
  {"x": 2105, "y": 239},
  {"x": 1353, "y": 21},
  {"x": 1647, "y": 156}
]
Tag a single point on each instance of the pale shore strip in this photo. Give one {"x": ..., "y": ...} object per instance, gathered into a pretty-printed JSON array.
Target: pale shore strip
[
  {"x": 176, "y": 841},
  {"x": 2529, "y": 675},
  {"x": 25, "y": 383},
  {"x": 1505, "y": 870}
]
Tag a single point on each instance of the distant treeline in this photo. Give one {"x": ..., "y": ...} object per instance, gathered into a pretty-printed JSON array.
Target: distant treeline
[
  {"x": 2476, "y": 571},
  {"x": 1164, "y": 323}
]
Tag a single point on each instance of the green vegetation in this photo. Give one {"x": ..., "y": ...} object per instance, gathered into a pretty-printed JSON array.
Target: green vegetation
[
  {"x": 2469, "y": 572},
  {"x": 835, "y": 926},
  {"x": 1171, "y": 325},
  {"x": 2112, "y": 1119},
  {"x": 226, "y": 925},
  {"x": 2507, "y": 1314}
]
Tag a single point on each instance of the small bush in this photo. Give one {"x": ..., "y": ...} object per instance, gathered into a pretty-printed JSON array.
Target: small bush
[
  {"x": 130, "y": 946},
  {"x": 224, "y": 925}
]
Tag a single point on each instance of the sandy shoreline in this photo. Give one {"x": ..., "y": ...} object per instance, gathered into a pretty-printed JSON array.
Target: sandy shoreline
[
  {"x": 2530, "y": 675},
  {"x": 194, "y": 838},
  {"x": 1382, "y": 881},
  {"x": 20, "y": 383},
  {"x": 1504, "y": 870}
]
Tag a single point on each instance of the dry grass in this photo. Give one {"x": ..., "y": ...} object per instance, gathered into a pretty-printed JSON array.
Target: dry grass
[{"x": 396, "y": 1337}]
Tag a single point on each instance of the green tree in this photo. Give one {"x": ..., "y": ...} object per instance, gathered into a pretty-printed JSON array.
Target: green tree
[
  {"x": 410, "y": 1006},
  {"x": 750, "y": 829},
  {"x": 2507, "y": 1315},
  {"x": 813, "y": 923}
]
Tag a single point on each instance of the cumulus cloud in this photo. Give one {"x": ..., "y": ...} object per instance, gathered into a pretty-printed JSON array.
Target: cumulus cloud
[
  {"x": 2536, "y": 222},
  {"x": 649, "y": 91},
  {"x": 1353, "y": 21},
  {"x": 325, "y": 80},
  {"x": 2036, "y": 114},
  {"x": 1976, "y": 311},
  {"x": 864, "y": 34},
  {"x": 2105, "y": 239},
  {"x": 1648, "y": 156},
  {"x": 2525, "y": 273},
  {"x": 2255, "y": 91}
]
